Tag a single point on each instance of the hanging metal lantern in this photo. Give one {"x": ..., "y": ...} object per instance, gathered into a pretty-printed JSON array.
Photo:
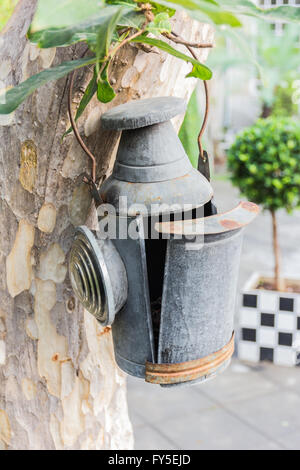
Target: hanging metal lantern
[{"x": 171, "y": 307}]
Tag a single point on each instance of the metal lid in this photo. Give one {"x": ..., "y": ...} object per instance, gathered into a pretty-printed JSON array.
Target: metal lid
[
  {"x": 151, "y": 165},
  {"x": 142, "y": 113}
]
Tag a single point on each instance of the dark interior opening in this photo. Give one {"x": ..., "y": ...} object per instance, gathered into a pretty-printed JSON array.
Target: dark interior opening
[{"x": 155, "y": 257}]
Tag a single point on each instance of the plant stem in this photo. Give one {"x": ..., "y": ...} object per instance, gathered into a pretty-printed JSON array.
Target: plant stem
[
  {"x": 190, "y": 49},
  {"x": 178, "y": 40},
  {"x": 279, "y": 282},
  {"x": 75, "y": 128},
  {"x": 125, "y": 41}
]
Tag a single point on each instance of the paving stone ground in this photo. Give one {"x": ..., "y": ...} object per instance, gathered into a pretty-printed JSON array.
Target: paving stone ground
[{"x": 255, "y": 407}]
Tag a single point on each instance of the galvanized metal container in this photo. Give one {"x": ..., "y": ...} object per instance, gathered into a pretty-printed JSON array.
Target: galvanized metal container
[{"x": 198, "y": 302}]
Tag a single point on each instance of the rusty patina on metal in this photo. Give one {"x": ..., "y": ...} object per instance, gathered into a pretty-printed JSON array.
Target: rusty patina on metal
[
  {"x": 236, "y": 218},
  {"x": 166, "y": 374},
  {"x": 230, "y": 224}
]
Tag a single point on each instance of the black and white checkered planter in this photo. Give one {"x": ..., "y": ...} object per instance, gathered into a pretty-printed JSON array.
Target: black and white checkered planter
[{"x": 269, "y": 325}]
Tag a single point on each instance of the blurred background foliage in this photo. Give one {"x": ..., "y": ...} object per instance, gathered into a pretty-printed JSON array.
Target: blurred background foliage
[
  {"x": 272, "y": 58},
  {"x": 255, "y": 55},
  {"x": 264, "y": 162},
  {"x": 283, "y": 105},
  {"x": 6, "y": 9}
]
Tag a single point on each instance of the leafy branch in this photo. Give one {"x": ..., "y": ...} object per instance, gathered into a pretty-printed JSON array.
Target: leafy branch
[{"x": 110, "y": 25}]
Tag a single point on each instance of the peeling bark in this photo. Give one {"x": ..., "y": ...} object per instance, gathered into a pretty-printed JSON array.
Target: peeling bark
[
  {"x": 59, "y": 385},
  {"x": 19, "y": 263}
]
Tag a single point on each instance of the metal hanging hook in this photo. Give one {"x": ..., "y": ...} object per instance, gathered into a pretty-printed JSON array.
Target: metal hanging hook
[
  {"x": 203, "y": 127},
  {"x": 202, "y": 153},
  {"x": 76, "y": 131}
]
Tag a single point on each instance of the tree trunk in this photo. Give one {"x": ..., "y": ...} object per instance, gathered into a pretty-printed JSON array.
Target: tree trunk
[
  {"x": 59, "y": 385},
  {"x": 279, "y": 282}
]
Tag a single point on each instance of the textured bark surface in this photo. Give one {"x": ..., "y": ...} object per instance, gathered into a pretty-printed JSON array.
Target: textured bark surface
[{"x": 59, "y": 385}]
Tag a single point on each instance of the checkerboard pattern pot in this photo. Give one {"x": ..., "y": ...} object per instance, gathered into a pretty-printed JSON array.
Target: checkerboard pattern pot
[{"x": 269, "y": 325}]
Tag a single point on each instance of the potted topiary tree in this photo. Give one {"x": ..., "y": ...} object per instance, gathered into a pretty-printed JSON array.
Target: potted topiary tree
[{"x": 264, "y": 162}]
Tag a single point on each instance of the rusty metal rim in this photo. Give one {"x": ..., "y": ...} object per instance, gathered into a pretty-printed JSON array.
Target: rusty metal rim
[{"x": 191, "y": 370}]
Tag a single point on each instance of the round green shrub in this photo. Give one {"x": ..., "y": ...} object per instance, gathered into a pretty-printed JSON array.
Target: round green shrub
[{"x": 264, "y": 162}]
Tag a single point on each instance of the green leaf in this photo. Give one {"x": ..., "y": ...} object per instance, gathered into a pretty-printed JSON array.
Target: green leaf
[
  {"x": 84, "y": 31},
  {"x": 134, "y": 19},
  {"x": 158, "y": 8},
  {"x": 15, "y": 96},
  {"x": 61, "y": 37},
  {"x": 121, "y": 2},
  {"x": 203, "y": 72},
  {"x": 55, "y": 36},
  {"x": 62, "y": 13},
  {"x": 225, "y": 11},
  {"x": 161, "y": 24},
  {"x": 196, "y": 72},
  {"x": 105, "y": 91},
  {"x": 190, "y": 127},
  {"x": 105, "y": 35},
  {"x": 222, "y": 18},
  {"x": 86, "y": 98},
  {"x": 204, "y": 10}
]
